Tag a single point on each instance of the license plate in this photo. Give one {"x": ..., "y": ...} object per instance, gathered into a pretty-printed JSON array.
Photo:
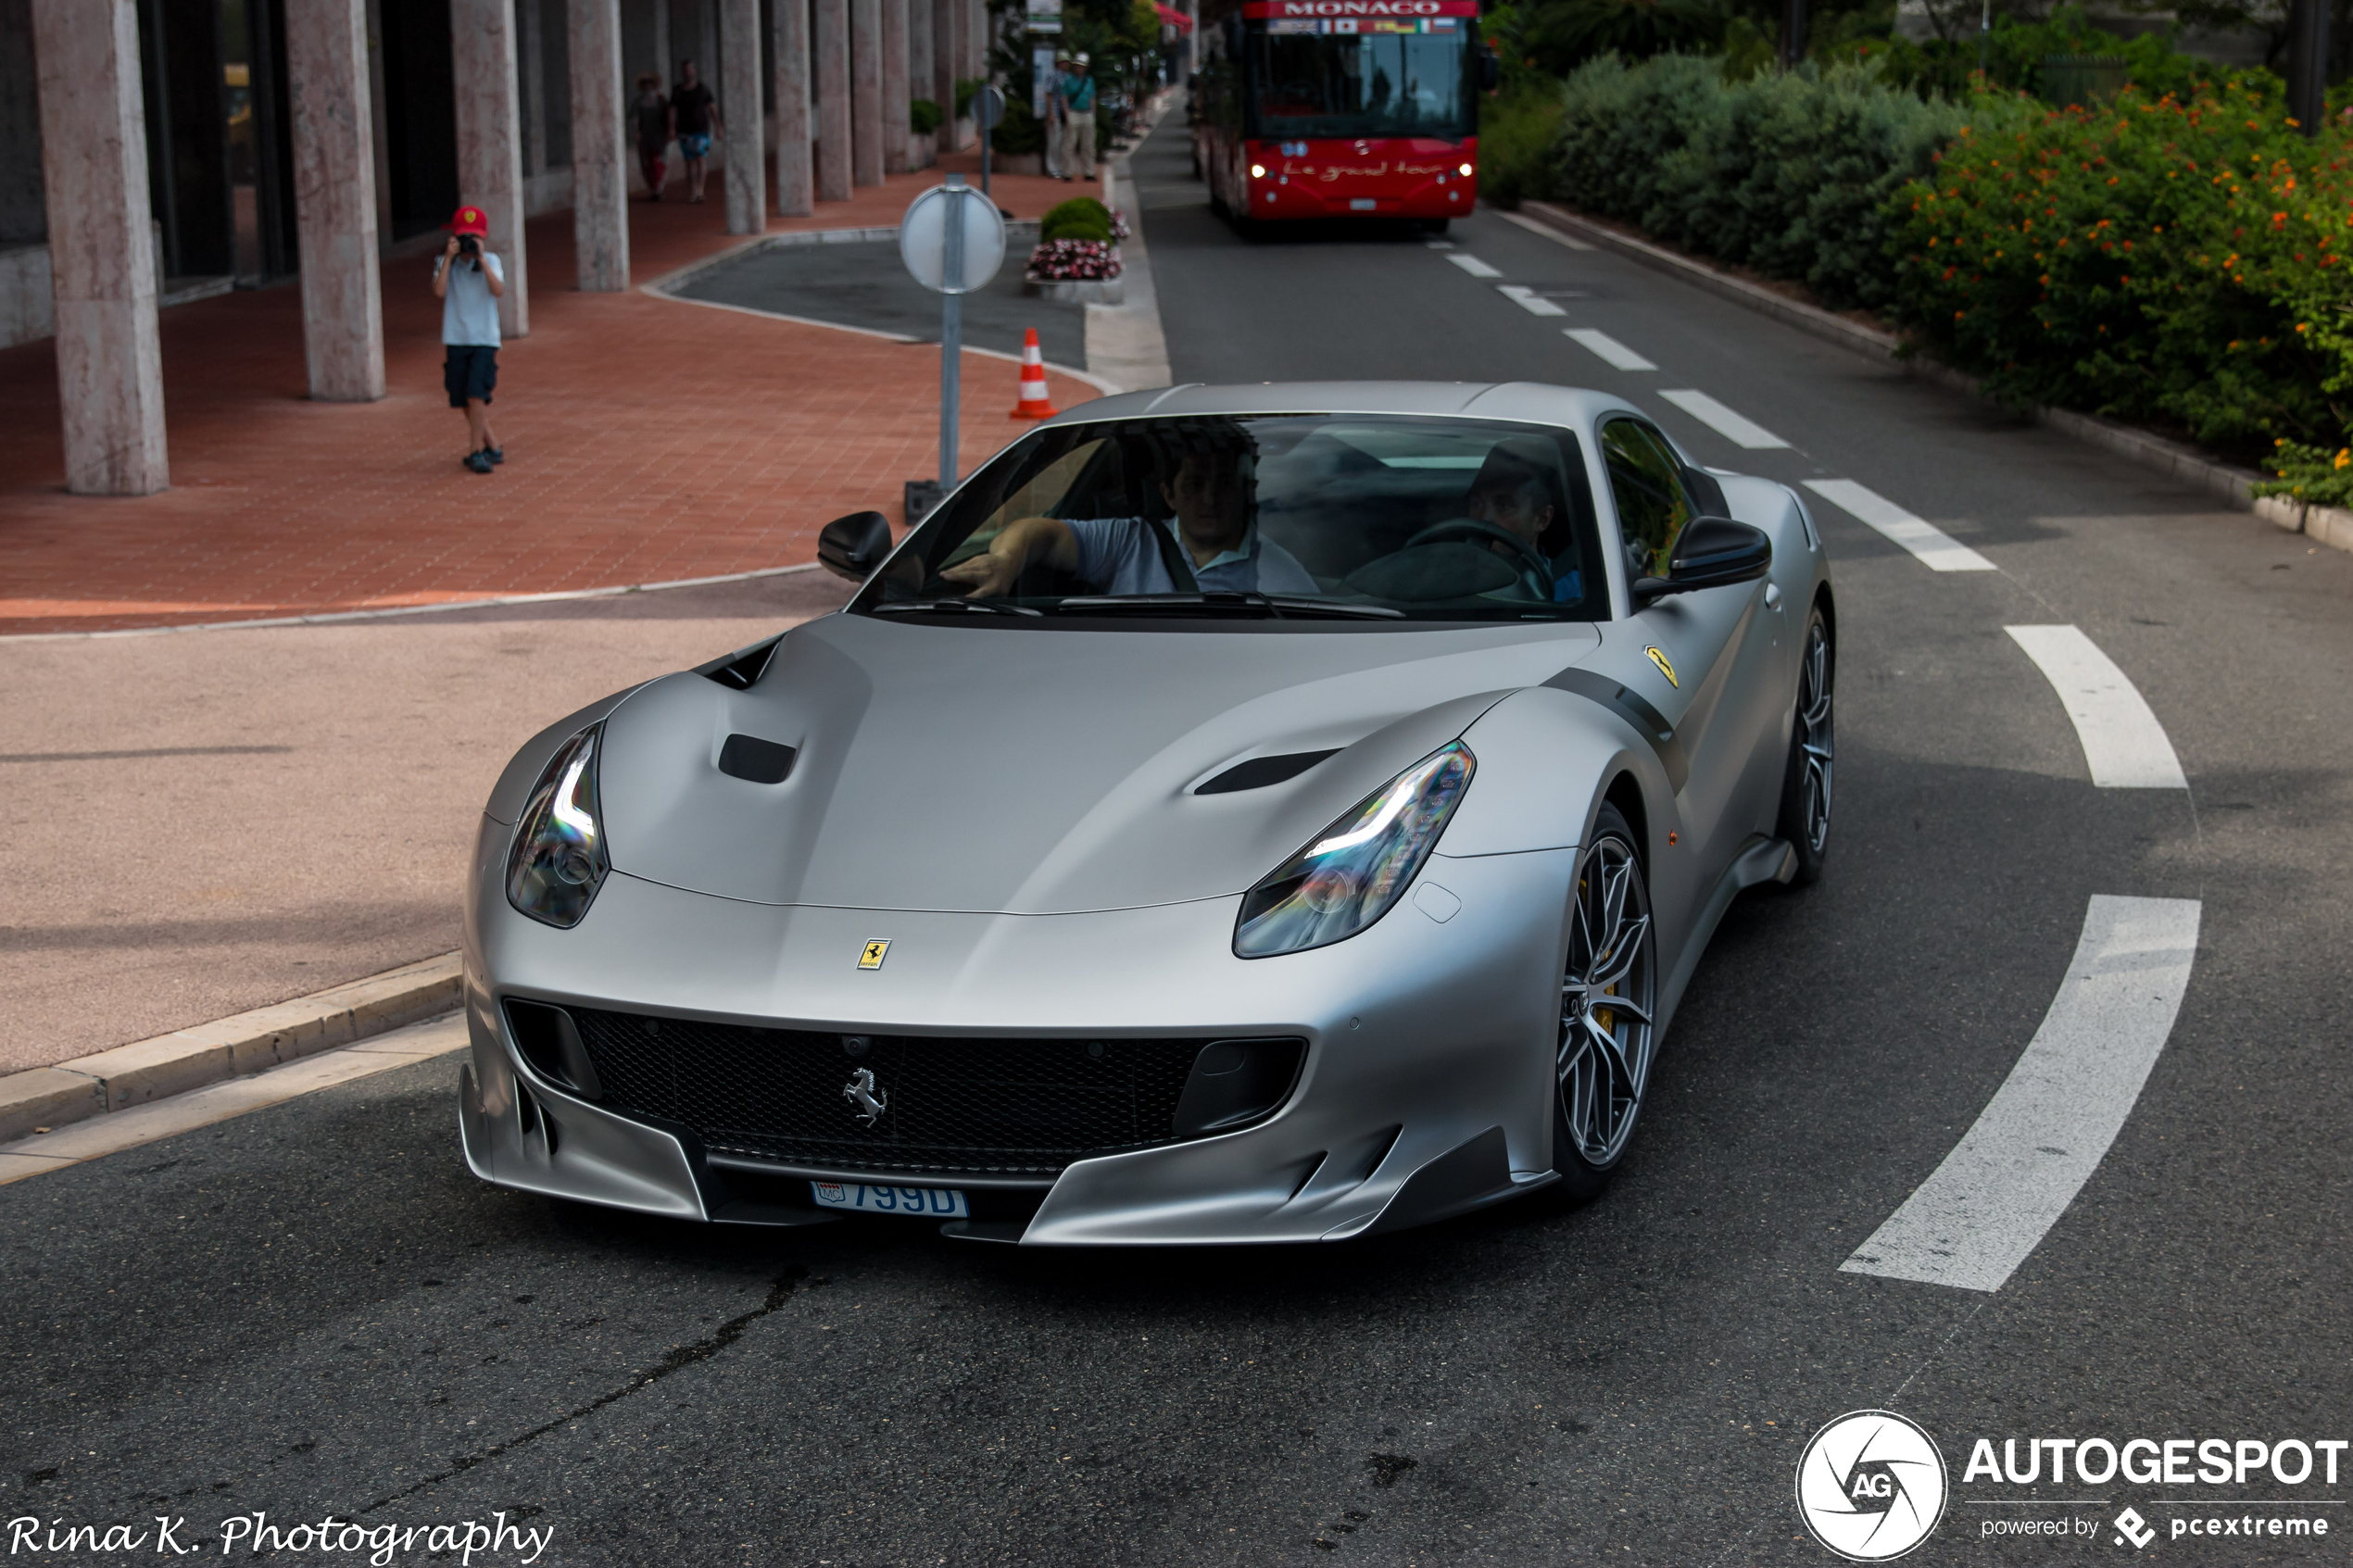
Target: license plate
[
  {"x": 923, "y": 1203},
  {"x": 1362, "y": 204}
]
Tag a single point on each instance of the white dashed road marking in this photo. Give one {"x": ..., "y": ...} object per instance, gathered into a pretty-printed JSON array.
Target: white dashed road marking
[
  {"x": 1988, "y": 1205},
  {"x": 1938, "y": 550},
  {"x": 1735, "y": 428},
  {"x": 1618, "y": 356},
  {"x": 1551, "y": 233},
  {"x": 2123, "y": 744},
  {"x": 1528, "y": 299},
  {"x": 1472, "y": 265}
]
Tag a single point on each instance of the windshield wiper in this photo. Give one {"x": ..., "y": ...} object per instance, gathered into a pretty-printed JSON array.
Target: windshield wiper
[
  {"x": 961, "y": 607},
  {"x": 1278, "y": 606}
]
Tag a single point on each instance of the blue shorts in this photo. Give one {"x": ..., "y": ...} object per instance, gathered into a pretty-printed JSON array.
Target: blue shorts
[{"x": 694, "y": 147}]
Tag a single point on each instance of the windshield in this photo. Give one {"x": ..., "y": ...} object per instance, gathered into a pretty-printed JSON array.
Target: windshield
[
  {"x": 1307, "y": 81},
  {"x": 1314, "y": 517}
]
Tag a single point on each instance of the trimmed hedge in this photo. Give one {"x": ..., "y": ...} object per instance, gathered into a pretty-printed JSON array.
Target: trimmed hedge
[
  {"x": 1791, "y": 174},
  {"x": 1081, "y": 217}
]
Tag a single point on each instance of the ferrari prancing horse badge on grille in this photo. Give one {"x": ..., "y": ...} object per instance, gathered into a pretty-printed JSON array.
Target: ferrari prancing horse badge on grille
[{"x": 873, "y": 956}]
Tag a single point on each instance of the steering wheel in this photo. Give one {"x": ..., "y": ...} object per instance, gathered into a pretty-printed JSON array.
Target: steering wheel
[{"x": 1536, "y": 570}]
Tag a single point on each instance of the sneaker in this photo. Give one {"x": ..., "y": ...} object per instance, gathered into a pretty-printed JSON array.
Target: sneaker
[
  {"x": 496, "y": 453},
  {"x": 478, "y": 461}
]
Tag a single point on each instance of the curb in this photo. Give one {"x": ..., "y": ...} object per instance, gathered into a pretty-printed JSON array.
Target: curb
[
  {"x": 47, "y": 1097},
  {"x": 1016, "y": 230},
  {"x": 2327, "y": 525}
]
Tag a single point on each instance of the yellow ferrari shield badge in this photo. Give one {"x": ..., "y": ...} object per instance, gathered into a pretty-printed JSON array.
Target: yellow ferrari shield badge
[
  {"x": 873, "y": 956},
  {"x": 1665, "y": 668}
]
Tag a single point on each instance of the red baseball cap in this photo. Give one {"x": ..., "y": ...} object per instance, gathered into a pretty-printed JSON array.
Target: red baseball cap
[{"x": 469, "y": 220}]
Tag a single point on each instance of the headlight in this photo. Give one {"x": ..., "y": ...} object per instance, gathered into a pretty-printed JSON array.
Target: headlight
[
  {"x": 1258, "y": 171},
  {"x": 559, "y": 860},
  {"x": 1356, "y": 869},
  {"x": 1466, "y": 171}
]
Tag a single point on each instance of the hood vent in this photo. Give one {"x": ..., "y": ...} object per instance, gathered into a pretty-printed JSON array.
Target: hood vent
[
  {"x": 1261, "y": 772},
  {"x": 755, "y": 760},
  {"x": 741, "y": 669}
]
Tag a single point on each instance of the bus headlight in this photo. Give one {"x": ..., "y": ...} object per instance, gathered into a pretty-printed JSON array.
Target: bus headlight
[
  {"x": 1258, "y": 171},
  {"x": 1464, "y": 171}
]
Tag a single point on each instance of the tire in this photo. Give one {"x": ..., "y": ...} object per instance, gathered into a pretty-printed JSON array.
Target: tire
[
  {"x": 1804, "y": 819},
  {"x": 1607, "y": 1040}
]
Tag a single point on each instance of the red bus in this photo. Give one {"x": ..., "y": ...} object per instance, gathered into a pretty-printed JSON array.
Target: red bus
[{"x": 1343, "y": 108}]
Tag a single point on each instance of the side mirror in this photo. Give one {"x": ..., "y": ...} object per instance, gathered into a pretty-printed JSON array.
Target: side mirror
[
  {"x": 853, "y": 546},
  {"x": 1491, "y": 70},
  {"x": 1711, "y": 552}
]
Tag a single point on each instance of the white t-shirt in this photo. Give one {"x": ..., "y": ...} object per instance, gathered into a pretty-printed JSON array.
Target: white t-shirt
[{"x": 469, "y": 310}]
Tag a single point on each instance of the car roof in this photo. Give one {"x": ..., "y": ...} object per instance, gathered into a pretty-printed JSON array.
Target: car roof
[{"x": 1532, "y": 401}]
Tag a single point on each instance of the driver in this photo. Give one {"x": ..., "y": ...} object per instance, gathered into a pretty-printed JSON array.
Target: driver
[
  {"x": 1213, "y": 533},
  {"x": 1514, "y": 492}
]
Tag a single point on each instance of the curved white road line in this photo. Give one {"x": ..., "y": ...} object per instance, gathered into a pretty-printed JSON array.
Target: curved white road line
[
  {"x": 1937, "y": 550},
  {"x": 1738, "y": 429},
  {"x": 2122, "y": 741},
  {"x": 1988, "y": 1206}
]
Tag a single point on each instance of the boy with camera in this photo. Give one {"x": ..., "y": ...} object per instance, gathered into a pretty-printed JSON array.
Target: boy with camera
[{"x": 469, "y": 281}]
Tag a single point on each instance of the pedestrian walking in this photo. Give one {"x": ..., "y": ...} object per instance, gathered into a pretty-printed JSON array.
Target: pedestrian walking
[
  {"x": 468, "y": 279},
  {"x": 650, "y": 112},
  {"x": 694, "y": 114},
  {"x": 1078, "y": 129}
]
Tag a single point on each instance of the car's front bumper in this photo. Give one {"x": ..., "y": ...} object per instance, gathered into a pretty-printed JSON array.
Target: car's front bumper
[{"x": 1426, "y": 1088}]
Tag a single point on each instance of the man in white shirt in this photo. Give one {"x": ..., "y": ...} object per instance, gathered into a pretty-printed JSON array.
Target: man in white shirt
[
  {"x": 469, "y": 280},
  {"x": 1212, "y": 543}
]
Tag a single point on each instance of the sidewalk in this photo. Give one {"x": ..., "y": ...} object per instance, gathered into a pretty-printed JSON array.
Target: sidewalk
[{"x": 646, "y": 441}]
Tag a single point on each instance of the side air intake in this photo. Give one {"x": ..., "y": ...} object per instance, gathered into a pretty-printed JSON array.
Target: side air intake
[{"x": 1261, "y": 772}]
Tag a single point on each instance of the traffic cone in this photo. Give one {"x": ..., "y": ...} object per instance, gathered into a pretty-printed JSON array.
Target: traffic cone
[{"x": 1034, "y": 404}]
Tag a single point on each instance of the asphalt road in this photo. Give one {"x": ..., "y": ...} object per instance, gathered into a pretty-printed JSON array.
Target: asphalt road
[
  {"x": 864, "y": 283},
  {"x": 315, "y": 1309}
]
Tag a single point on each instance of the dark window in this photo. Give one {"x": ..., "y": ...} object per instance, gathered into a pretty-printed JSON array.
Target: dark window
[
  {"x": 1308, "y": 85},
  {"x": 1647, "y": 483}
]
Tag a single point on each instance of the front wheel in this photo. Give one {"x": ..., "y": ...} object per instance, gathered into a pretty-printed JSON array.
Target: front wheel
[
  {"x": 1805, "y": 778},
  {"x": 1610, "y": 992}
]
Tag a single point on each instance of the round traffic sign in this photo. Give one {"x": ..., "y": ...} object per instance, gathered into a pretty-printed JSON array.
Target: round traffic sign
[
  {"x": 924, "y": 238},
  {"x": 988, "y": 108}
]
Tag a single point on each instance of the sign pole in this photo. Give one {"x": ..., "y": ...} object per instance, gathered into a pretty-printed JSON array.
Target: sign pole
[{"x": 951, "y": 325}]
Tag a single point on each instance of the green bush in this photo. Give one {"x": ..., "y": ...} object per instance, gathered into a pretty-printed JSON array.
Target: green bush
[
  {"x": 1789, "y": 173},
  {"x": 1515, "y": 134},
  {"x": 2019, "y": 56},
  {"x": 2311, "y": 474},
  {"x": 1081, "y": 217},
  {"x": 2179, "y": 260},
  {"x": 923, "y": 117},
  {"x": 965, "y": 87},
  {"x": 1020, "y": 132}
]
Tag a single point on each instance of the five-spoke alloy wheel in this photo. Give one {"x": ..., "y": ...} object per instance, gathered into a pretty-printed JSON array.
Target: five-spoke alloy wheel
[
  {"x": 1608, "y": 1000},
  {"x": 1805, "y": 786}
]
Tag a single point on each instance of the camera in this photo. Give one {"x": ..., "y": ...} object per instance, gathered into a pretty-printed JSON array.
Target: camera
[{"x": 468, "y": 246}]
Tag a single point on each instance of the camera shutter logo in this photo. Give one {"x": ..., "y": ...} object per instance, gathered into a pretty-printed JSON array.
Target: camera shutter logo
[{"x": 1871, "y": 1486}]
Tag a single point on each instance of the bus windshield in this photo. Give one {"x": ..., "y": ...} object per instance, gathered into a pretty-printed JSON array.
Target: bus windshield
[{"x": 1370, "y": 84}]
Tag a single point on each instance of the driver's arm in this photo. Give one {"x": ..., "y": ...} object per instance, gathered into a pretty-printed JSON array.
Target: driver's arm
[{"x": 1021, "y": 543}]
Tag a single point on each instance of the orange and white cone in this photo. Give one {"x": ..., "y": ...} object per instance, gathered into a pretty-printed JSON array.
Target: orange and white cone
[{"x": 1034, "y": 404}]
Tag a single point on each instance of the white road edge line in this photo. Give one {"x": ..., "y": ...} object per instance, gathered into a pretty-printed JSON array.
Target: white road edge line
[
  {"x": 1614, "y": 353},
  {"x": 2123, "y": 744},
  {"x": 1472, "y": 265},
  {"x": 1937, "y": 550},
  {"x": 1552, "y": 234},
  {"x": 1528, "y": 299},
  {"x": 1738, "y": 429},
  {"x": 235, "y": 1096},
  {"x": 1988, "y": 1206}
]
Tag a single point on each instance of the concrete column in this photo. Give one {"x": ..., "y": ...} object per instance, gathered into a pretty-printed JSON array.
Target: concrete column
[
  {"x": 865, "y": 92},
  {"x": 920, "y": 69},
  {"x": 951, "y": 37},
  {"x": 599, "y": 146},
  {"x": 977, "y": 38},
  {"x": 482, "y": 39},
  {"x": 894, "y": 88},
  {"x": 334, "y": 161},
  {"x": 94, "y": 159},
  {"x": 532, "y": 62},
  {"x": 832, "y": 100},
  {"x": 793, "y": 174},
  {"x": 746, "y": 146}
]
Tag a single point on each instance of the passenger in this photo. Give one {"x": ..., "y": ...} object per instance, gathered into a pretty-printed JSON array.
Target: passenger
[
  {"x": 1516, "y": 492},
  {"x": 1213, "y": 540}
]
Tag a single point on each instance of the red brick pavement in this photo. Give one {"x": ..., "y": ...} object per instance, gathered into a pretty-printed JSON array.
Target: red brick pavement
[{"x": 646, "y": 441}]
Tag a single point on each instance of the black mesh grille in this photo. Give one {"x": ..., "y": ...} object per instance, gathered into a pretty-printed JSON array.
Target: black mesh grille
[{"x": 995, "y": 1107}]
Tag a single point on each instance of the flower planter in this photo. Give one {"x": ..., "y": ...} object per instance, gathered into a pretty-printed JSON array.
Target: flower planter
[
  {"x": 1074, "y": 291},
  {"x": 923, "y": 149}
]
